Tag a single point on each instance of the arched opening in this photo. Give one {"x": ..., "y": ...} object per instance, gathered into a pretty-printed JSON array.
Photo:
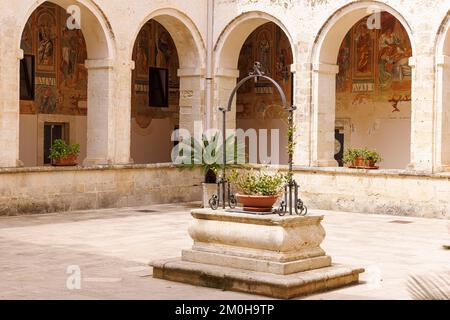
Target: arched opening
[
  {"x": 362, "y": 87},
  {"x": 256, "y": 36},
  {"x": 64, "y": 81},
  {"x": 258, "y": 106},
  {"x": 166, "y": 85},
  {"x": 155, "y": 98},
  {"x": 442, "y": 150},
  {"x": 53, "y": 85},
  {"x": 373, "y": 91}
]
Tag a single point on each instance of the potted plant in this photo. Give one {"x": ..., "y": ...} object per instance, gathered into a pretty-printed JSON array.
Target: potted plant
[
  {"x": 258, "y": 191},
  {"x": 372, "y": 158},
  {"x": 63, "y": 154},
  {"x": 355, "y": 157},
  {"x": 207, "y": 154},
  {"x": 362, "y": 158}
]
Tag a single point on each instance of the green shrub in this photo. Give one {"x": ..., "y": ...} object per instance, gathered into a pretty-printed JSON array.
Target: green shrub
[
  {"x": 352, "y": 154},
  {"x": 60, "y": 149}
]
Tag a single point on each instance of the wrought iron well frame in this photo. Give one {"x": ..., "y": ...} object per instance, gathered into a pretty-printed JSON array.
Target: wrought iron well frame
[{"x": 292, "y": 202}]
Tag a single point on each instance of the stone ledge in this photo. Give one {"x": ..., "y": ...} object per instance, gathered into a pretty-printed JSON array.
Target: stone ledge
[
  {"x": 88, "y": 168},
  {"x": 267, "y": 220},
  {"x": 258, "y": 265},
  {"x": 271, "y": 285}
]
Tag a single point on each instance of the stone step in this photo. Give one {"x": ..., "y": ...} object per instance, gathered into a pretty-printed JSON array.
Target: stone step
[{"x": 271, "y": 285}]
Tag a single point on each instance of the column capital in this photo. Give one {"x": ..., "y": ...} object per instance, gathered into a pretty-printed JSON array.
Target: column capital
[
  {"x": 412, "y": 61},
  {"x": 99, "y": 64},
  {"x": 443, "y": 61},
  {"x": 20, "y": 54},
  {"x": 326, "y": 68},
  {"x": 191, "y": 72},
  {"x": 227, "y": 73}
]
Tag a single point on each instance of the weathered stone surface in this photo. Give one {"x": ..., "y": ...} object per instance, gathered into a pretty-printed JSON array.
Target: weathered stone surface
[
  {"x": 267, "y": 255},
  {"x": 272, "y": 285},
  {"x": 44, "y": 190}
]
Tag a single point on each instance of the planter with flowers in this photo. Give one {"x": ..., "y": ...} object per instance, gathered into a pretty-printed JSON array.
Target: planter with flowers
[{"x": 258, "y": 191}]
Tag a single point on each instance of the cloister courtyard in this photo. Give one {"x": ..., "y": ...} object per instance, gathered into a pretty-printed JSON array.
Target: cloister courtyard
[
  {"x": 113, "y": 247},
  {"x": 345, "y": 103}
]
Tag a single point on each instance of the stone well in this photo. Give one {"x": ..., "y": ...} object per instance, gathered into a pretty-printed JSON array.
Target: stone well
[{"x": 270, "y": 255}]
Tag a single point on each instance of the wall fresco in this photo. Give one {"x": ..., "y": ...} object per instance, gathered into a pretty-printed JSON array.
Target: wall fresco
[
  {"x": 60, "y": 54},
  {"x": 373, "y": 64},
  {"x": 269, "y": 45},
  {"x": 154, "y": 47}
]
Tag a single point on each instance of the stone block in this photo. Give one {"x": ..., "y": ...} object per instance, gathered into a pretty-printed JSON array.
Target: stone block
[{"x": 270, "y": 255}]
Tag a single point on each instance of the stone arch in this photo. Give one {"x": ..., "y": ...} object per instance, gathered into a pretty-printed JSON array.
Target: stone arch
[
  {"x": 184, "y": 32},
  {"x": 324, "y": 56},
  {"x": 442, "y": 114},
  {"x": 190, "y": 65},
  {"x": 233, "y": 36},
  {"x": 327, "y": 43},
  {"x": 97, "y": 30},
  {"x": 101, "y": 52},
  {"x": 263, "y": 113}
]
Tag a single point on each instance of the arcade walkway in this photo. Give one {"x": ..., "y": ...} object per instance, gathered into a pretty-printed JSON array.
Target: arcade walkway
[{"x": 112, "y": 248}]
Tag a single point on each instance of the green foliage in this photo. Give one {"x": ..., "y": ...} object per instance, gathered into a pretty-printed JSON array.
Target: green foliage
[
  {"x": 258, "y": 183},
  {"x": 369, "y": 155},
  {"x": 373, "y": 156},
  {"x": 292, "y": 143},
  {"x": 60, "y": 150},
  {"x": 208, "y": 153}
]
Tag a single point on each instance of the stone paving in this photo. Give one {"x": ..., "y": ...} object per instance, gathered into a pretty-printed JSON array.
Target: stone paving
[{"x": 112, "y": 248}]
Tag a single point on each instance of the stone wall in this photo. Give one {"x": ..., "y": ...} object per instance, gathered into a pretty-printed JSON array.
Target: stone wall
[
  {"x": 392, "y": 192},
  {"x": 44, "y": 190}
]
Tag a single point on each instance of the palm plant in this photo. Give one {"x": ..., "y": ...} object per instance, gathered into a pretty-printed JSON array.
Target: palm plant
[
  {"x": 430, "y": 287},
  {"x": 208, "y": 154}
]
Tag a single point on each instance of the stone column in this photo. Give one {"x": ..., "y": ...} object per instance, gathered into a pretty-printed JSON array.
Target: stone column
[
  {"x": 108, "y": 120},
  {"x": 323, "y": 115},
  {"x": 422, "y": 114},
  {"x": 192, "y": 101},
  {"x": 302, "y": 117},
  {"x": 442, "y": 148},
  {"x": 9, "y": 106},
  {"x": 225, "y": 81}
]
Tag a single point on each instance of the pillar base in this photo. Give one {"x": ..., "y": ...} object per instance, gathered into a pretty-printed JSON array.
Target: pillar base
[
  {"x": 90, "y": 162},
  {"x": 326, "y": 163}
]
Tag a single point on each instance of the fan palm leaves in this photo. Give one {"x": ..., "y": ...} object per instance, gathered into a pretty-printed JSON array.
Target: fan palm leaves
[
  {"x": 208, "y": 152},
  {"x": 435, "y": 286}
]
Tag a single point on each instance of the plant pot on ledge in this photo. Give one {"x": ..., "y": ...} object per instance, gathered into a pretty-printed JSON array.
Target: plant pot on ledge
[
  {"x": 69, "y": 161},
  {"x": 362, "y": 158},
  {"x": 359, "y": 162},
  {"x": 63, "y": 154}
]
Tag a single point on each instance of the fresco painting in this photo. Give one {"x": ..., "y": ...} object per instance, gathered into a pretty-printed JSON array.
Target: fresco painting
[
  {"x": 269, "y": 45},
  {"x": 373, "y": 64},
  {"x": 60, "y": 75},
  {"x": 154, "y": 47}
]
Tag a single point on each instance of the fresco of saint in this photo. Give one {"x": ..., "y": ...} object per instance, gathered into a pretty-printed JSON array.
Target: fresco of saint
[
  {"x": 364, "y": 50},
  {"x": 46, "y": 26}
]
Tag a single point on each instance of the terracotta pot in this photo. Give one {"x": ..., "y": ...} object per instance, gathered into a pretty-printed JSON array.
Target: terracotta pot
[
  {"x": 68, "y": 161},
  {"x": 256, "y": 203},
  {"x": 359, "y": 162},
  {"x": 370, "y": 163}
]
